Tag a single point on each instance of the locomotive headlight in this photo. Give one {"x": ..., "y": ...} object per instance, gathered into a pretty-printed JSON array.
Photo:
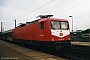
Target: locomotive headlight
[
  {"x": 52, "y": 39},
  {"x": 68, "y": 38},
  {"x": 59, "y": 39}
]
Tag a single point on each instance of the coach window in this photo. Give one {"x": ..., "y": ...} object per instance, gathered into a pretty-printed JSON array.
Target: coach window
[{"x": 41, "y": 25}]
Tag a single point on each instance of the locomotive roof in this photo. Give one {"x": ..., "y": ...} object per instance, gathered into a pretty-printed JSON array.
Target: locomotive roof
[
  {"x": 44, "y": 19},
  {"x": 39, "y": 20},
  {"x": 58, "y": 19},
  {"x": 47, "y": 17}
]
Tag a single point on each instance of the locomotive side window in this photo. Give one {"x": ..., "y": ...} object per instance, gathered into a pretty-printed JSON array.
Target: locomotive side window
[
  {"x": 59, "y": 25},
  {"x": 41, "y": 25}
]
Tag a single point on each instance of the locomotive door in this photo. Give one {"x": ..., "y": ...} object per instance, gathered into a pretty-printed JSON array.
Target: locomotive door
[{"x": 34, "y": 33}]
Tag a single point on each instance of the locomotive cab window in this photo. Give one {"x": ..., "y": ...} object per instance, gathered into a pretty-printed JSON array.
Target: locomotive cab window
[
  {"x": 41, "y": 25},
  {"x": 56, "y": 25},
  {"x": 64, "y": 25}
]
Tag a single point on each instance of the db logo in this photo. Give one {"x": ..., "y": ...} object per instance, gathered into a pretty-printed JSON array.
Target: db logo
[{"x": 61, "y": 34}]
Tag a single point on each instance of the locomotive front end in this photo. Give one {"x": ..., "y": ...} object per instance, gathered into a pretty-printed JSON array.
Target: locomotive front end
[
  {"x": 60, "y": 34},
  {"x": 60, "y": 30}
]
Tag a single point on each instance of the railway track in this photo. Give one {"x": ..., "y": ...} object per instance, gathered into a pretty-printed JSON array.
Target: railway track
[
  {"x": 63, "y": 55},
  {"x": 76, "y": 53},
  {"x": 83, "y": 52}
]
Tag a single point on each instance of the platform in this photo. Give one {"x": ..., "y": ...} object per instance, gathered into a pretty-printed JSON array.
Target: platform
[
  {"x": 81, "y": 43},
  {"x": 81, "y": 46},
  {"x": 9, "y": 50},
  {"x": 7, "y": 53}
]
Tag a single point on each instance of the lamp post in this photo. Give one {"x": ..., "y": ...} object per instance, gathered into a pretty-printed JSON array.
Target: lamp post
[
  {"x": 1, "y": 26},
  {"x": 15, "y": 23},
  {"x": 72, "y": 26}
]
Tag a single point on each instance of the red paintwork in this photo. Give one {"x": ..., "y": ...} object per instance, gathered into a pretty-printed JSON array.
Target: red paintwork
[
  {"x": 33, "y": 32},
  {"x": 61, "y": 39}
]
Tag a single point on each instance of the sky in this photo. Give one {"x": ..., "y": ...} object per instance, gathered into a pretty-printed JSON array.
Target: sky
[{"x": 27, "y": 11}]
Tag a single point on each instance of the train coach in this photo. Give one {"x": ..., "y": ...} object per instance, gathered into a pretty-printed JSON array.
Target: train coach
[
  {"x": 7, "y": 35},
  {"x": 44, "y": 32}
]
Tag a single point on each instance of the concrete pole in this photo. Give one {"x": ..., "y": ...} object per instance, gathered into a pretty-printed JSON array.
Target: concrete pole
[
  {"x": 1, "y": 26},
  {"x": 15, "y": 23}
]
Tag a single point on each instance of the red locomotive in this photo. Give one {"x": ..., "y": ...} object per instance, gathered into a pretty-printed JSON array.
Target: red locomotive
[{"x": 44, "y": 32}]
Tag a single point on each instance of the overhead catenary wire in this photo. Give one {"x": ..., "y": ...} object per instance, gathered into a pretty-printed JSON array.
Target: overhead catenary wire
[
  {"x": 36, "y": 9},
  {"x": 70, "y": 8},
  {"x": 30, "y": 5},
  {"x": 55, "y": 5}
]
